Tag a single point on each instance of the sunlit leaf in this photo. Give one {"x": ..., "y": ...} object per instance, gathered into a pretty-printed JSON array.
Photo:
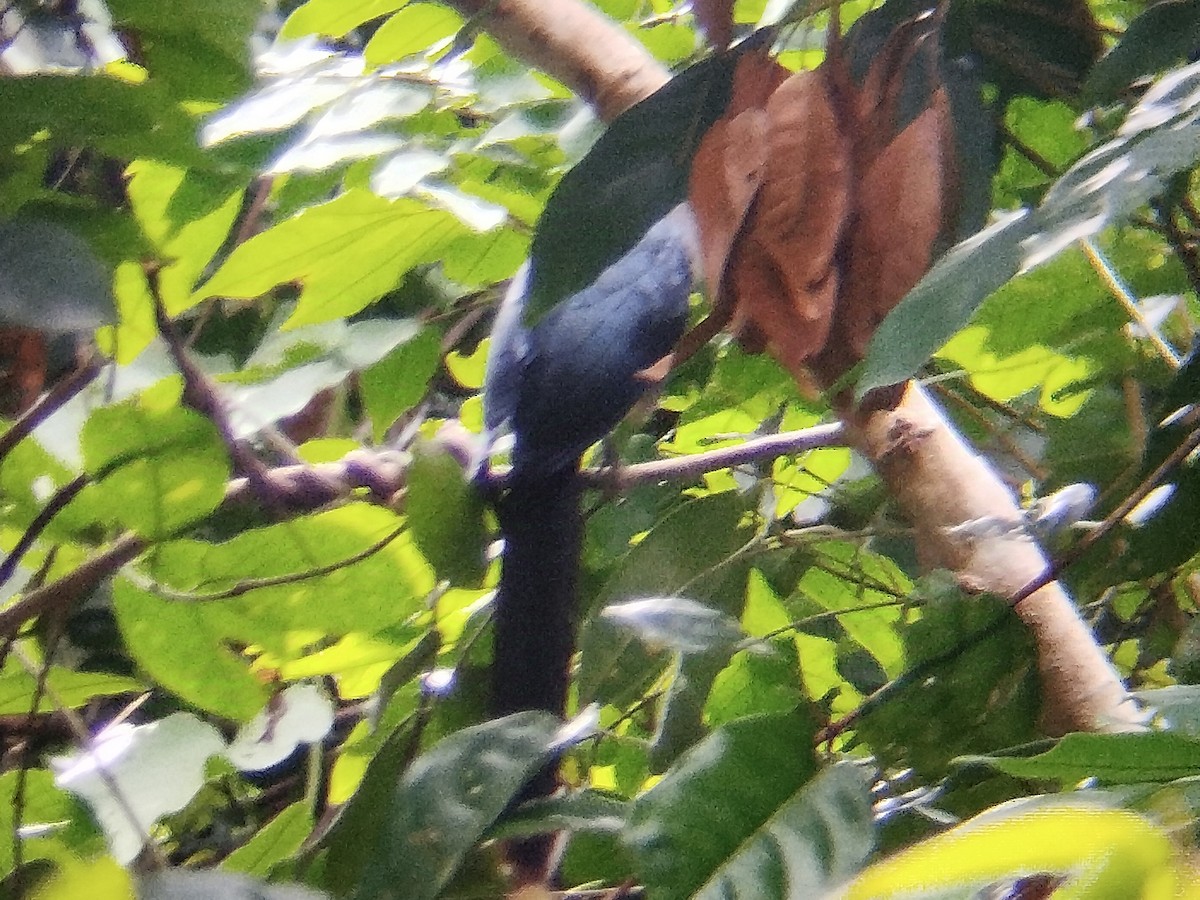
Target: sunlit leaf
[
  {"x": 376, "y": 240},
  {"x": 157, "y": 469}
]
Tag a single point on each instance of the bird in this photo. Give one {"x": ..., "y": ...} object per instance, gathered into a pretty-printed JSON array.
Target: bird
[{"x": 559, "y": 386}]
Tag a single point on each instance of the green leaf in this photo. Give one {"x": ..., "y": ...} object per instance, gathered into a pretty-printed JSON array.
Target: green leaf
[
  {"x": 745, "y": 814},
  {"x": 352, "y": 569},
  {"x": 688, "y": 548},
  {"x": 156, "y": 470},
  {"x": 757, "y": 682},
  {"x": 1108, "y": 758},
  {"x": 445, "y": 513},
  {"x": 43, "y": 802},
  {"x": 577, "y": 811},
  {"x": 352, "y": 839},
  {"x": 186, "y": 216},
  {"x": 447, "y": 800},
  {"x": 1163, "y": 35},
  {"x": 278, "y": 840},
  {"x": 201, "y": 49},
  {"x": 634, "y": 175},
  {"x": 71, "y": 689},
  {"x": 482, "y": 259},
  {"x": 335, "y": 18},
  {"x": 123, "y": 120},
  {"x": 397, "y": 382},
  {"x": 1100, "y": 852},
  {"x": 346, "y": 253},
  {"x": 180, "y": 646},
  {"x": 413, "y": 29},
  {"x": 971, "y": 686},
  {"x": 1161, "y": 136}
]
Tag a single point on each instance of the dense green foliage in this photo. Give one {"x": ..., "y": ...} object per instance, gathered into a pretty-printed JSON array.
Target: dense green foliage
[{"x": 251, "y": 536}]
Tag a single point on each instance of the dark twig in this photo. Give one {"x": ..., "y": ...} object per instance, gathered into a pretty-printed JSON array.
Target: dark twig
[
  {"x": 50, "y": 403},
  {"x": 254, "y": 584},
  {"x": 1112, "y": 520},
  {"x": 306, "y": 487},
  {"x": 202, "y": 394},
  {"x": 53, "y": 507}
]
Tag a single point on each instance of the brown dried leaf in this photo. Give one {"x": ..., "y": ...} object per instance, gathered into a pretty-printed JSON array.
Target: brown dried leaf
[
  {"x": 22, "y": 368},
  {"x": 728, "y": 166},
  {"x": 900, "y": 206},
  {"x": 783, "y": 270}
]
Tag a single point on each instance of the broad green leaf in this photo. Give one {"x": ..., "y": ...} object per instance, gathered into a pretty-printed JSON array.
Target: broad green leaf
[
  {"x": 413, "y": 29},
  {"x": 1102, "y": 852},
  {"x": 50, "y": 279},
  {"x": 72, "y": 689},
  {"x": 397, "y": 382},
  {"x": 445, "y": 513},
  {"x": 335, "y": 17},
  {"x": 278, "y": 840},
  {"x": 745, "y": 813},
  {"x": 164, "y": 199},
  {"x": 226, "y": 24},
  {"x": 448, "y": 798},
  {"x": 689, "y": 549},
  {"x": 352, "y": 569},
  {"x": 757, "y": 681},
  {"x": 634, "y": 175},
  {"x": 99, "y": 879},
  {"x": 577, "y": 811},
  {"x": 156, "y": 469},
  {"x": 1108, "y": 758},
  {"x": 479, "y": 259},
  {"x": 346, "y": 253},
  {"x": 353, "y": 837},
  {"x": 200, "y": 49},
  {"x": 288, "y": 368},
  {"x": 43, "y": 802},
  {"x": 971, "y": 686},
  {"x": 1163, "y": 35},
  {"x": 123, "y": 120},
  {"x": 181, "y": 645},
  {"x": 1161, "y": 136}
]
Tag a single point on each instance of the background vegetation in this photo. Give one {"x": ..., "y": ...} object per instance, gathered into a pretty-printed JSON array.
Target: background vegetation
[{"x": 248, "y": 261}]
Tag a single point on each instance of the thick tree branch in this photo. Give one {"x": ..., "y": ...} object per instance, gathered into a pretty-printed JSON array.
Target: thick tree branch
[{"x": 940, "y": 483}]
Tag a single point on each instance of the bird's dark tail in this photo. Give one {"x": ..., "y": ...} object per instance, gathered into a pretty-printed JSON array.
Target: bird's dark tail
[{"x": 534, "y": 625}]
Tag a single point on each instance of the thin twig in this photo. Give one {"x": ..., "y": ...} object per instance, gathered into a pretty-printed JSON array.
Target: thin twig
[
  {"x": 254, "y": 584},
  {"x": 1117, "y": 287},
  {"x": 41, "y": 521},
  {"x": 50, "y": 403},
  {"x": 1112, "y": 520}
]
